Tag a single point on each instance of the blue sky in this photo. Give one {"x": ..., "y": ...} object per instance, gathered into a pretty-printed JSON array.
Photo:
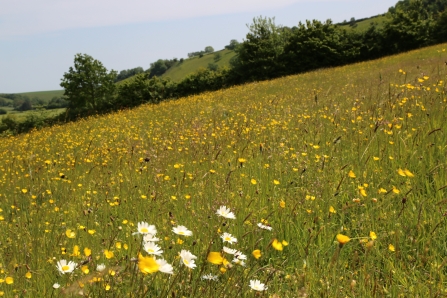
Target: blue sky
[{"x": 39, "y": 38}]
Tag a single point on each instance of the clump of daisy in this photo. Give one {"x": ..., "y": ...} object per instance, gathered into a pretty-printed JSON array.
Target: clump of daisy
[
  {"x": 164, "y": 267},
  {"x": 188, "y": 259},
  {"x": 144, "y": 228},
  {"x": 100, "y": 267},
  {"x": 227, "y": 237},
  {"x": 225, "y": 212},
  {"x": 230, "y": 251},
  {"x": 150, "y": 238},
  {"x": 152, "y": 248},
  {"x": 264, "y": 227},
  {"x": 182, "y": 230},
  {"x": 257, "y": 285},
  {"x": 209, "y": 277}
]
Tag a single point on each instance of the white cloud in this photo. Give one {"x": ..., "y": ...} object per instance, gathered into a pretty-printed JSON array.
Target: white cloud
[{"x": 27, "y": 17}]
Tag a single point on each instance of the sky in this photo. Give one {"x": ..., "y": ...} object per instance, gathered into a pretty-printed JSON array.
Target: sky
[{"x": 39, "y": 38}]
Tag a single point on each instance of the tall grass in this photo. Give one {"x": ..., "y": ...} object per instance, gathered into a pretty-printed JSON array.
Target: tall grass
[{"x": 346, "y": 165}]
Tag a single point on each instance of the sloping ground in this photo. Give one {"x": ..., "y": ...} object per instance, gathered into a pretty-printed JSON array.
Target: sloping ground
[
  {"x": 363, "y": 24},
  {"x": 188, "y": 66},
  {"x": 45, "y": 95},
  {"x": 336, "y": 179}
]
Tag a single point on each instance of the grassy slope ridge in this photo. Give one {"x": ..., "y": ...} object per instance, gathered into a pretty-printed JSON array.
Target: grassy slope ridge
[
  {"x": 180, "y": 70},
  {"x": 363, "y": 24},
  {"x": 45, "y": 95},
  {"x": 357, "y": 150}
]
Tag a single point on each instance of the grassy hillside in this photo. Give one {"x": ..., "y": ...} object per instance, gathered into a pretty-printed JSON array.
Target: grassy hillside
[
  {"x": 188, "y": 66},
  {"x": 335, "y": 180},
  {"x": 363, "y": 24},
  {"x": 45, "y": 95}
]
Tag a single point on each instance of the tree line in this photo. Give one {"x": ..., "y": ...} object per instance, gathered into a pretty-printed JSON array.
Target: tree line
[
  {"x": 268, "y": 51},
  {"x": 271, "y": 51}
]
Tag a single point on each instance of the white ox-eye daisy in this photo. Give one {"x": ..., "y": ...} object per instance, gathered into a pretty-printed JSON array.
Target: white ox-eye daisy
[
  {"x": 227, "y": 237},
  {"x": 187, "y": 258},
  {"x": 144, "y": 228},
  {"x": 257, "y": 285},
  {"x": 164, "y": 266},
  {"x": 225, "y": 212},
  {"x": 65, "y": 267},
  {"x": 152, "y": 248},
  {"x": 182, "y": 230}
]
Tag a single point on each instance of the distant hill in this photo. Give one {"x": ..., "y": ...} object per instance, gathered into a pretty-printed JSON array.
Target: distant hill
[
  {"x": 181, "y": 69},
  {"x": 363, "y": 24},
  {"x": 45, "y": 95},
  {"x": 188, "y": 66}
]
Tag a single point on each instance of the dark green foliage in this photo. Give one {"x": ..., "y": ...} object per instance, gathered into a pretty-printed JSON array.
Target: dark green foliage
[
  {"x": 258, "y": 56},
  {"x": 159, "y": 67},
  {"x": 408, "y": 28},
  {"x": 316, "y": 44},
  {"x": 371, "y": 43},
  {"x": 88, "y": 85},
  {"x": 124, "y": 74},
  {"x": 213, "y": 66},
  {"x": 233, "y": 44},
  {"x": 57, "y": 103},
  {"x": 432, "y": 6},
  {"x": 25, "y": 106},
  {"x": 144, "y": 89},
  {"x": 203, "y": 80},
  {"x": 440, "y": 28},
  {"x": 3, "y": 112},
  {"x": 209, "y": 49},
  {"x": 217, "y": 57}
]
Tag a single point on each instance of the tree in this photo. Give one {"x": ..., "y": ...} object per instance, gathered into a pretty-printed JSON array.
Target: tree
[
  {"x": 26, "y": 105},
  {"x": 409, "y": 28},
  {"x": 233, "y": 44},
  {"x": 209, "y": 49},
  {"x": 217, "y": 57},
  {"x": 88, "y": 85},
  {"x": 258, "y": 55}
]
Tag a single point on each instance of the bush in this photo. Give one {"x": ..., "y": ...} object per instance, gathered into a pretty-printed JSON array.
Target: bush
[{"x": 3, "y": 112}]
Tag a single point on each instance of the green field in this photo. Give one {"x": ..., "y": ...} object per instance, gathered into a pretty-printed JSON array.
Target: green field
[
  {"x": 336, "y": 179},
  {"x": 45, "y": 95},
  {"x": 181, "y": 69},
  {"x": 20, "y": 116},
  {"x": 189, "y": 66},
  {"x": 363, "y": 25}
]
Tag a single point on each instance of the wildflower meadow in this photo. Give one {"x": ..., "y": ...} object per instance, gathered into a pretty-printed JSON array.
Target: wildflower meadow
[{"x": 325, "y": 184}]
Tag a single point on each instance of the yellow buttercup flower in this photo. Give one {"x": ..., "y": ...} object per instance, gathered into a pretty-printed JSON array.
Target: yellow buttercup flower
[
  {"x": 276, "y": 244},
  {"x": 215, "y": 258},
  {"x": 109, "y": 254},
  {"x": 342, "y": 239},
  {"x": 70, "y": 234},
  {"x": 256, "y": 253}
]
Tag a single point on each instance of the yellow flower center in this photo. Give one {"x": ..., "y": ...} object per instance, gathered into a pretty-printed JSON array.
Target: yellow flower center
[
  {"x": 186, "y": 262},
  {"x": 144, "y": 230},
  {"x": 65, "y": 268}
]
